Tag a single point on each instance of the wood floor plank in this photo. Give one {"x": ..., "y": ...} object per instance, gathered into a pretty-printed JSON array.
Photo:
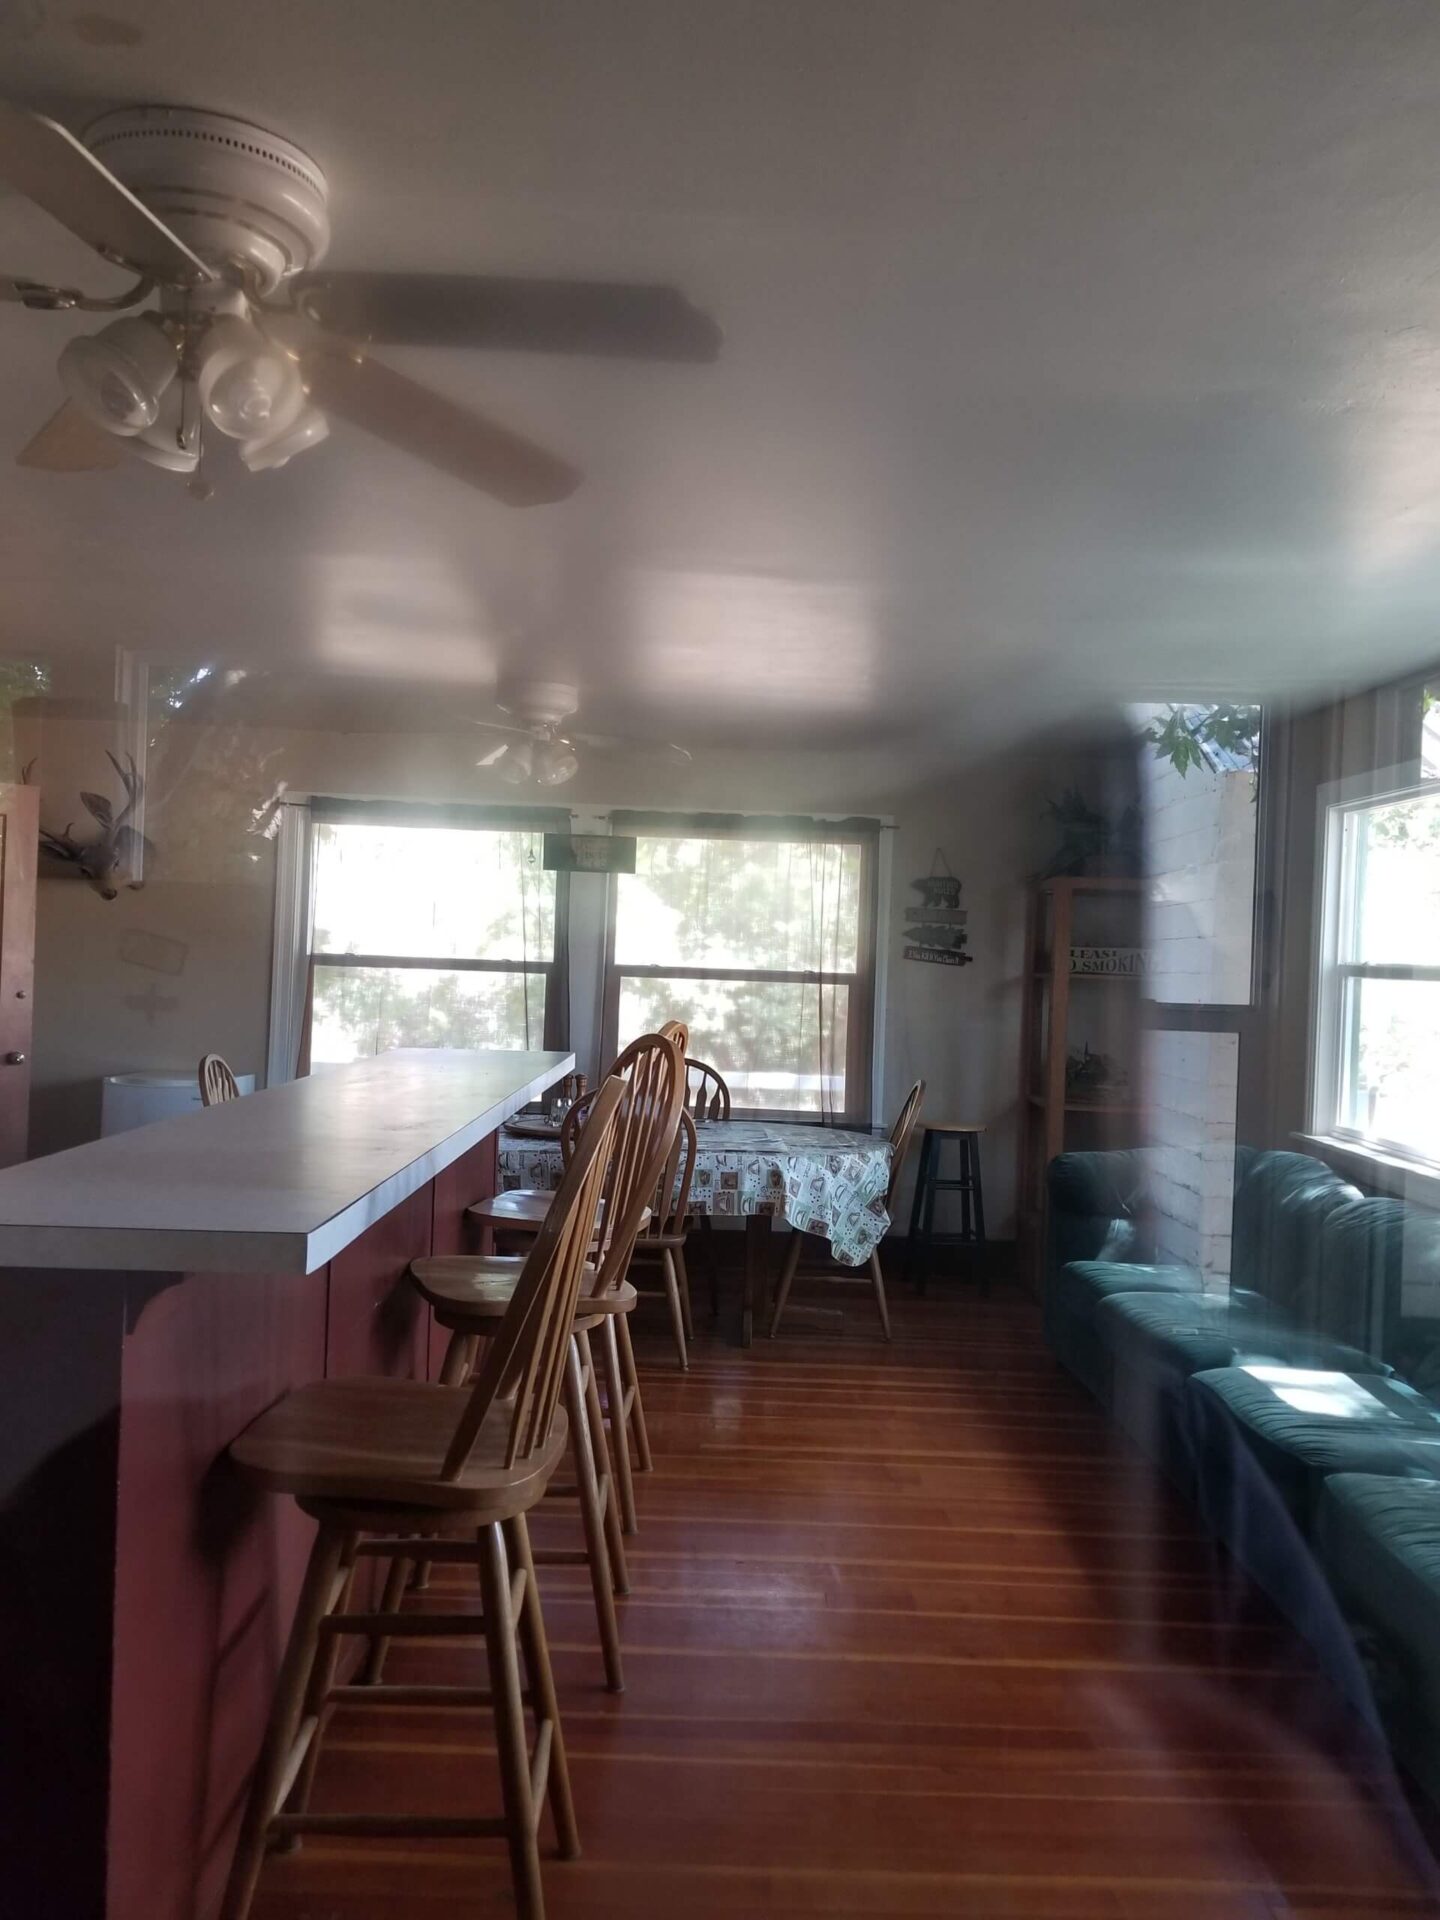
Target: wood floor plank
[{"x": 911, "y": 1632}]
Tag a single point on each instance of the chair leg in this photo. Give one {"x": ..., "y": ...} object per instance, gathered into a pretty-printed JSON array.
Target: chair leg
[
  {"x": 600, "y": 1449},
  {"x": 877, "y": 1277},
  {"x": 787, "y": 1279},
  {"x": 396, "y": 1581},
  {"x": 521, "y": 1814},
  {"x": 459, "y": 1358},
  {"x": 707, "y": 1241},
  {"x": 634, "y": 1404},
  {"x": 544, "y": 1704},
  {"x": 318, "y": 1596},
  {"x": 684, "y": 1276},
  {"x": 587, "y": 1487},
  {"x": 322, "y": 1677},
  {"x": 617, "y": 1425},
  {"x": 677, "y": 1311}
]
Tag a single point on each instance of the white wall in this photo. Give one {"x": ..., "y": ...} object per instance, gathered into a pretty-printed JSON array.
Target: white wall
[{"x": 207, "y": 907}]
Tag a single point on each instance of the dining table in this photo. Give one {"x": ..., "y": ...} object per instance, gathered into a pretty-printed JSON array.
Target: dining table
[{"x": 823, "y": 1180}]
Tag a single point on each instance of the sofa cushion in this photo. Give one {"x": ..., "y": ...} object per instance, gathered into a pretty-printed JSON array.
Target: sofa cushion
[
  {"x": 1302, "y": 1423},
  {"x": 1077, "y": 1290},
  {"x": 1282, "y": 1202},
  {"x": 1183, "y": 1334},
  {"x": 1099, "y": 1207}
]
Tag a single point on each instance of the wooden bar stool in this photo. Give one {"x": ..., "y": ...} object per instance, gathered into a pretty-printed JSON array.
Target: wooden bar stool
[
  {"x": 469, "y": 1295},
  {"x": 928, "y": 1183},
  {"x": 391, "y": 1468}
]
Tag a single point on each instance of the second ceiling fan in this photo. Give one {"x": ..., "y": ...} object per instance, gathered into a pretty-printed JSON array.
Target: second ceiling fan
[{"x": 231, "y": 328}]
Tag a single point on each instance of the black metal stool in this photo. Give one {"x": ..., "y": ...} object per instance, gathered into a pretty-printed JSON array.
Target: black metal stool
[{"x": 923, "y": 1239}]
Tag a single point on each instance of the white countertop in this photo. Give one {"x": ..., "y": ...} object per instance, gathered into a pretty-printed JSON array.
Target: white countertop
[{"x": 276, "y": 1182}]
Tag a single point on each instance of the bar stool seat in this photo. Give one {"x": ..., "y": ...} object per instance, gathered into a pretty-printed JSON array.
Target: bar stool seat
[
  {"x": 522, "y": 1208},
  {"x": 482, "y": 1286},
  {"x": 382, "y": 1441}
]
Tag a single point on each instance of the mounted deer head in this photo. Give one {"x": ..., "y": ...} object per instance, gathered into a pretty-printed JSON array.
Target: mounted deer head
[{"x": 108, "y": 860}]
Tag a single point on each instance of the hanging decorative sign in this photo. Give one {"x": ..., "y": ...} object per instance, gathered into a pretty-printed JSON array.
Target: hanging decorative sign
[
  {"x": 589, "y": 853},
  {"x": 939, "y": 937},
  {"x": 1125, "y": 962}
]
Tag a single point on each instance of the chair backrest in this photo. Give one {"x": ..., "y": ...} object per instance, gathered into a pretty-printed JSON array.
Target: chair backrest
[
  {"x": 677, "y": 1031},
  {"x": 526, "y": 1359},
  {"x": 900, "y": 1138},
  {"x": 671, "y": 1200},
  {"x": 653, "y": 1068},
  {"x": 706, "y": 1094},
  {"x": 217, "y": 1082}
]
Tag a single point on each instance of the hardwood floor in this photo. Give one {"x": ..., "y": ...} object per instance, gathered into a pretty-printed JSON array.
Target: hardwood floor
[{"x": 911, "y": 1633}]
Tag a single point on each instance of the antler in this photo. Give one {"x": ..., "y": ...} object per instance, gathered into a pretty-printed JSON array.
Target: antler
[
  {"x": 134, "y": 787},
  {"x": 62, "y": 845}
]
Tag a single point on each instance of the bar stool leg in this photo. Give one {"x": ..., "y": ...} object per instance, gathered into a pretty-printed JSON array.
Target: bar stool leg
[
  {"x": 617, "y": 1424},
  {"x": 544, "y": 1704},
  {"x": 317, "y": 1598},
  {"x": 981, "y": 1252},
  {"x": 634, "y": 1405},
  {"x": 587, "y": 1487},
  {"x": 912, "y": 1236},
  {"x": 931, "y": 1174},
  {"x": 676, "y": 1306},
  {"x": 609, "y": 1484},
  {"x": 521, "y": 1816}
]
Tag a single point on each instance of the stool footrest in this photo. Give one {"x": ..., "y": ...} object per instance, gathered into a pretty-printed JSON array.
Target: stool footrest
[
  {"x": 416, "y": 1826},
  {"x": 388, "y": 1696}
]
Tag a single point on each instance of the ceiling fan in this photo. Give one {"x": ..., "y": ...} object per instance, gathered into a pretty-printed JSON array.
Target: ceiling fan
[
  {"x": 223, "y": 225},
  {"x": 537, "y": 753}
]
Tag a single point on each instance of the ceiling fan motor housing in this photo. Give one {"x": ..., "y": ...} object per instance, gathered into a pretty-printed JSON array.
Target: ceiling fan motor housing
[{"x": 242, "y": 198}]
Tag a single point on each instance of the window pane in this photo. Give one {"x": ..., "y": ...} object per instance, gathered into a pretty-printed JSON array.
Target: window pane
[
  {"x": 780, "y": 906},
  {"x": 1200, "y": 770},
  {"x": 1390, "y": 1063},
  {"x": 1394, "y": 857},
  {"x": 779, "y": 1043},
  {"x": 433, "y": 892},
  {"x": 1430, "y": 734},
  {"x": 365, "y": 1010}
]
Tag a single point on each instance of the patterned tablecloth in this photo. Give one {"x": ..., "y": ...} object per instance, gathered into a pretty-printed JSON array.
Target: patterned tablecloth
[{"x": 823, "y": 1180}]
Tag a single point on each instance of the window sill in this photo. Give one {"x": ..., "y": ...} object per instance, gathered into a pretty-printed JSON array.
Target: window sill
[{"x": 1372, "y": 1167}]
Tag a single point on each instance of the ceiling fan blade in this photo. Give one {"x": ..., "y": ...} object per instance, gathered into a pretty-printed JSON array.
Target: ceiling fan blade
[
  {"x": 421, "y": 422},
  {"x": 40, "y": 159},
  {"x": 665, "y": 750},
  {"x": 70, "y": 443},
  {"x": 495, "y": 754},
  {"x": 627, "y": 320},
  {"x": 498, "y": 726}
]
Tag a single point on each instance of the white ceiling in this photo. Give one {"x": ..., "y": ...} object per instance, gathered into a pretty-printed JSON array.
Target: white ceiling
[{"x": 1073, "y": 352}]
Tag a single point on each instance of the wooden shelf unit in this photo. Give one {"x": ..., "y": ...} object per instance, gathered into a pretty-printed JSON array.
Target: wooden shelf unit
[{"x": 1049, "y": 1121}]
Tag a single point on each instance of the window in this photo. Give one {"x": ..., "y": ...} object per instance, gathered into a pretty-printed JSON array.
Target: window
[
  {"x": 428, "y": 932},
  {"x": 1378, "y": 1040},
  {"x": 764, "y": 944}
]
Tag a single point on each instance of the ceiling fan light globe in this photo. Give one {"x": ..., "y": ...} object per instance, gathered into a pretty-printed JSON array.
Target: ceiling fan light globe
[
  {"x": 119, "y": 376},
  {"x": 555, "y": 763},
  {"x": 518, "y": 765},
  {"x": 305, "y": 428},
  {"x": 244, "y": 382}
]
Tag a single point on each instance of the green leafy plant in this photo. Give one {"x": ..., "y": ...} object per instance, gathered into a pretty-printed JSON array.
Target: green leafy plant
[
  {"x": 1090, "y": 839},
  {"x": 1183, "y": 734}
]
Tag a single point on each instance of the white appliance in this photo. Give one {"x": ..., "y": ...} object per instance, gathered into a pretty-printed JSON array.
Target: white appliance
[{"x": 135, "y": 1099}]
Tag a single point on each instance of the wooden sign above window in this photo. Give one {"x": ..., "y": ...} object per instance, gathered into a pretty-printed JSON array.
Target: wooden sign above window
[{"x": 589, "y": 853}]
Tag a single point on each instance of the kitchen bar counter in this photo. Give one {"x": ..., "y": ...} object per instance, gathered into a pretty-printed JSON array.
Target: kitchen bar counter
[
  {"x": 276, "y": 1182},
  {"x": 158, "y": 1290}
]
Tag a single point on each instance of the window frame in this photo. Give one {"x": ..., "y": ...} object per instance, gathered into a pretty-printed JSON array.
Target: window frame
[
  {"x": 861, "y": 1022},
  {"x": 1331, "y": 1033},
  {"x": 296, "y": 960}
]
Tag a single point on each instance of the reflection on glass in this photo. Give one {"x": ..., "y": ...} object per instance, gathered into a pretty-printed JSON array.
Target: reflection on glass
[
  {"x": 1199, "y": 772},
  {"x": 454, "y": 893},
  {"x": 782, "y": 906},
  {"x": 360, "y": 1011},
  {"x": 780, "y": 1044}
]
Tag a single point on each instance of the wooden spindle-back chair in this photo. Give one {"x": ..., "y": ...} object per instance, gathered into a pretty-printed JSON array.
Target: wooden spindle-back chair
[
  {"x": 900, "y": 1135},
  {"x": 217, "y": 1082}
]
